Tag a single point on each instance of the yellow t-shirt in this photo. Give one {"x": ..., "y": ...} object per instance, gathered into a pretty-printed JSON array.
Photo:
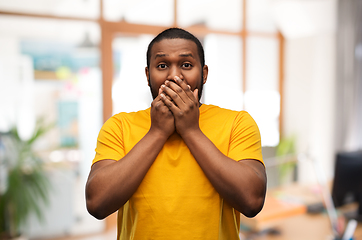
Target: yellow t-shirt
[{"x": 175, "y": 199}]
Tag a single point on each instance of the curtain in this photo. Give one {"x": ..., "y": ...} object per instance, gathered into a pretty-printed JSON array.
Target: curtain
[{"x": 349, "y": 76}]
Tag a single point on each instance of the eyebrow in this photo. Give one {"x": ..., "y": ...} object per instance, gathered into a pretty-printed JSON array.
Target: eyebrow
[
  {"x": 159, "y": 55},
  {"x": 187, "y": 55}
]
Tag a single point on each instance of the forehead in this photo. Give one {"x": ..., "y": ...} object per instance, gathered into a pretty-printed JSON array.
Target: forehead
[{"x": 174, "y": 46}]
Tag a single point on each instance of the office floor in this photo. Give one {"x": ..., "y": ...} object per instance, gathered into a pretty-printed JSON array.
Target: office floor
[
  {"x": 300, "y": 227},
  {"x": 107, "y": 235},
  {"x": 290, "y": 224}
]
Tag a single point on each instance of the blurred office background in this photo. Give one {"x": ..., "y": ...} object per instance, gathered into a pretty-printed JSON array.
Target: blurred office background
[{"x": 294, "y": 65}]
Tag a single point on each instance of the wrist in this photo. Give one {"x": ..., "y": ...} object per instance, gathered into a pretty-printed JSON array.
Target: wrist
[
  {"x": 190, "y": 134},
  {"x": 158, "y": 134}
]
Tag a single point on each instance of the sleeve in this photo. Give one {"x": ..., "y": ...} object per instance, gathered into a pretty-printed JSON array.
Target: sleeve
[
  {"x": 110, "y": 141},
  {"x": 245, "y": 141}
]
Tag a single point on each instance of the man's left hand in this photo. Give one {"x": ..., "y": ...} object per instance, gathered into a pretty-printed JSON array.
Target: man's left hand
[{"x": 184, "y": 105}]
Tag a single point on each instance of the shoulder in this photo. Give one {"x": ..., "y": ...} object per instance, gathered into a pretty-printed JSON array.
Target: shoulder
[
  {"x": 216, "y": 111},
  {"x": 213, "y": 109},
  {"x": 236, "y": 120},
  {"x": 121, "y": 118}
]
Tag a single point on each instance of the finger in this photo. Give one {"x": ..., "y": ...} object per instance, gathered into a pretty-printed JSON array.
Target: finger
[
  {"x": 174, "y": 86},
  {"x": 185, "y": 87},
  {"x": 160, "y": 91},
  {"x": 168, "y": 97},
  {"x": 168, "y": 103},
  {"x": 196, "y": 94},
  {"x": 183, "y": 91},
  {"x": 157, "y": 103},
  {"x": 175, "y": 93},
  {"x": 158, "y": 100},
  {"x": 159, "y": 108}
]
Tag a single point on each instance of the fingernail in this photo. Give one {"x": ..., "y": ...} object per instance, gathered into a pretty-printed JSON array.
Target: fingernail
[
  {"x": 163, "y": 86},
  {"x": 189, "y": 86}
]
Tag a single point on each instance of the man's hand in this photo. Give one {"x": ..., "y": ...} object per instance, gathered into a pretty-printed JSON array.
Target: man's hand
[
  {"x": 162, "y": 120},
  {"x": 183, "y": 103},
  {"x": 242, "y": 184},
  {"x": 127, "y": 174}
]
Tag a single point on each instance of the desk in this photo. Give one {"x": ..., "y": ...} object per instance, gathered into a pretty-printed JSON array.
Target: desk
[
  {"x": 298, "y": 225},
  {"x": 303, "y": 227}
]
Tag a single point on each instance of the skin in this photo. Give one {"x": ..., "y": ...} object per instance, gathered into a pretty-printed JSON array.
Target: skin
[{"x": 175, "y": 74}]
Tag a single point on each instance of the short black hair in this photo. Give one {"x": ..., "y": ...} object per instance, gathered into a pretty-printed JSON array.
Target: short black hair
[{"x": 174, "y": 33}]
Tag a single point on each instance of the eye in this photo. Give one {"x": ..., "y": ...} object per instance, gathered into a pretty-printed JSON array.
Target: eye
[
  {"x": 161, "y": 66},
  {"x": 186, "y": 65}
]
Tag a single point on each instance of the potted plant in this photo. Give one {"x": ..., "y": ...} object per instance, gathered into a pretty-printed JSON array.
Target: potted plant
[
  {"x": 285, "y": 152},
  {"x": 24, "y": 184}
]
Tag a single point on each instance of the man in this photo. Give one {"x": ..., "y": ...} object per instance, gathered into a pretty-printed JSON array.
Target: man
[{"x": 180, "y": 169}]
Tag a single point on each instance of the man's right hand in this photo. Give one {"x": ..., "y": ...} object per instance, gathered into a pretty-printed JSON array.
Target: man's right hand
[
  {"x": 162, "y": 119},
  {"x": 126, "y": 174}
]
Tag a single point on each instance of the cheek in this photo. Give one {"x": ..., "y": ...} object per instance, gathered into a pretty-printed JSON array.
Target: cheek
[
  {"x": 194, "y": 79},
  {"x": 156, "y": 80}
]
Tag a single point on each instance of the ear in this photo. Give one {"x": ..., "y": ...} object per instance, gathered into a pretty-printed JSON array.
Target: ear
[
  {"x": 147, "y": 75},
  {"x": 205, "y": 71}
]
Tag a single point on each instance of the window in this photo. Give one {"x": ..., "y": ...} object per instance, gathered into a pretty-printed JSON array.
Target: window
[{"x": 83, "y": 56}]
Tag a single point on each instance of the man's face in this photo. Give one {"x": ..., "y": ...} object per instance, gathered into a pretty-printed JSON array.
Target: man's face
[{"x": 175, "y": 57}]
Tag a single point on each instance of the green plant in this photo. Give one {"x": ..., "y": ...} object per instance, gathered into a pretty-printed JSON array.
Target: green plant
[
  {"x": 286, "y": 154},
  {"x": 26, "y": 181}
]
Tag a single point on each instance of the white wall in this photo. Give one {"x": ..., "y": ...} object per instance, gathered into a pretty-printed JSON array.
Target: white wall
[
  {"x": 309, "y": 100},
  {"x": 310, "y": 81}
]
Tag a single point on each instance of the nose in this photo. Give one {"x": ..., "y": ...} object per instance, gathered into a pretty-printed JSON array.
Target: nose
[{"x": 174, "y": 71}]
